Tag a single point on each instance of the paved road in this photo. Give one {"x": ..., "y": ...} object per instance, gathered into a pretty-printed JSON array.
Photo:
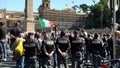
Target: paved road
[{"x": 9, "y": 63}]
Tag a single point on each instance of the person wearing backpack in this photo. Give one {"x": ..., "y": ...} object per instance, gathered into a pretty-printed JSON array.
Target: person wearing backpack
[
  {"x": 63, "y": 46},
  {"x": 76, "y": 50},
  {"x": 14, "y": 33},
  {"x": 31, "y": 47}
]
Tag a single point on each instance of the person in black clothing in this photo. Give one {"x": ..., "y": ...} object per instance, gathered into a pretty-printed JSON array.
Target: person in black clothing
[
  {"x": 96, "y": 46},
  {"x": 110, "y": 45},
  {"x": 76, "y": 50},
  {"x": 15, "y": 32},
  {"x": 63, "y": 46},
  {"x": 88, "y": 49},
  {"x": 38, "y": 39},
  {"x": 48, "y": 48},
  {"x": 3, "y": 32},
  {"x": 53, "y": 37},
  {"x": 31, "y": 48},
  {"x": 104, "y": 51}
]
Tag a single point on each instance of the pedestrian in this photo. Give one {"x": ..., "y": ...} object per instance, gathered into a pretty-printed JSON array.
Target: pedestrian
[
  {"x": 109, "y": 45},
  {"x": 19, "y": 56},
  {"x": 14, "y": 33},
  {"x": 3, "y": 40}
]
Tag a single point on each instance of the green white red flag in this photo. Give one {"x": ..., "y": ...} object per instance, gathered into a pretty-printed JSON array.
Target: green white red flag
[{"x": 45, "y": 23}]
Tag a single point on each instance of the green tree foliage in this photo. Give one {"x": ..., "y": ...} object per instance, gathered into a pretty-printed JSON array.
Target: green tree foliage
[
  {"x": 84, "y": 8},
  {"x": 99, "y": 13}
]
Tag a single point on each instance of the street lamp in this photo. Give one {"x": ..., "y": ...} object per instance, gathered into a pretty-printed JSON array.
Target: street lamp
[
  {"x": 114, "y": 5},
  {"x": 101, "y": 15}
]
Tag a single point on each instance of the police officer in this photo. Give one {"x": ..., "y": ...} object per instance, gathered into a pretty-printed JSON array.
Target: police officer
[
  {"x": 31, "y": 48},
  {"x": 63, "y": 46},
  {"x": 96, "y": 46},
  {"x": 48, "y": 49},
  {"x": 39, "y": 40},
  {"x": 53, "y": 37},
  {"x": 76, "y": 50}
]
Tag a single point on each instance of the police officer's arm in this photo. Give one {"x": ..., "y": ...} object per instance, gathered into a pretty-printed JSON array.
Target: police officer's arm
[
  {"x": 57, "y": 46},
  {"x": 11, "y": 33},
  {"x": 44, "y": 48},
  {"x": 37, "y": 46},
  {"x": 102, "y": 42},
  {"x": 53, "y": 51},
  {"x": 45, "y": 51},
  {"x": 50, "y": 55},
  {"x": 83, "y": 42},
  {"x": 68, "y": 47}
]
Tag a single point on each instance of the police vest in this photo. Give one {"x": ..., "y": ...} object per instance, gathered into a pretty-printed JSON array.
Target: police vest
[
  {"x": 96, "y": 44},
  {"x": 63, "y": 43},
  {"x": 77, "y": 43},
  {"x": 49, "y": 45},
  {"x": 30, "y": 47}
]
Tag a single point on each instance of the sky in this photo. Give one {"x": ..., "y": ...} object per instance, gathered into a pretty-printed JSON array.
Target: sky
[{"x": 19, "y": 5}]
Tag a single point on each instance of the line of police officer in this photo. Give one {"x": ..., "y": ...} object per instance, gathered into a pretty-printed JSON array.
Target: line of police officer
[
  {"x": 55, "y": 51},
  {"x": 51, "y": 48}
]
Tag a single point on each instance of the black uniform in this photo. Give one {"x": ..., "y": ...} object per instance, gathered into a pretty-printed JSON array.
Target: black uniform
[
  {"x": 76, "y": 44},
  {"x": 31, "y": 48},
  {"x": 63, "y": 44},
  {"x": 96, "y": 47},
  {"x": 76, "y": 51},
  {"x": 48, "y": 46}
]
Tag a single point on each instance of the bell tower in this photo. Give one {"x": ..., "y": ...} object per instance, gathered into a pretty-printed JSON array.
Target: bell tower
[{"x": 46, "y": 4}]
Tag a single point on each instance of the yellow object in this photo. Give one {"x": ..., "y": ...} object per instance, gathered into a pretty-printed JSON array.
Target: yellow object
[{"x": 19, "y": 49}]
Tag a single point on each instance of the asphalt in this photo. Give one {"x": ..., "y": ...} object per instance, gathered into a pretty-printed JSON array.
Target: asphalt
[{"x": 9, "y": 63}]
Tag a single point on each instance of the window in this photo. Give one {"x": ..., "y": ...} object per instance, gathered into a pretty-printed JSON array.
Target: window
[{"x": 46, "y": 5}]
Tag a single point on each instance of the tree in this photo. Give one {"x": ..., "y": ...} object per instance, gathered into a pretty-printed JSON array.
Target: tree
[
  {"x": 84, "y": 8},
  {"x": 99, "y": 12},
  {"x": 74, "y": 7}
]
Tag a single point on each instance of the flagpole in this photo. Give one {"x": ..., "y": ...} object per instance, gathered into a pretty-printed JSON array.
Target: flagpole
[
  {"x": 50, "y": 29},
  {"x": 43, "y": 29}
]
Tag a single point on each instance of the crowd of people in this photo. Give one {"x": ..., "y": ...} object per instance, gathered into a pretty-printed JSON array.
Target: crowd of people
[{"x": 56, "y": 49}]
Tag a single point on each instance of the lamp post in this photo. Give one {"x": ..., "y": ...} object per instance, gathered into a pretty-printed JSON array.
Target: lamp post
[
  {"x": 92, "y": 12},
  {"x": 101, "y": 15},
  {"x": 114, "y": 5}
]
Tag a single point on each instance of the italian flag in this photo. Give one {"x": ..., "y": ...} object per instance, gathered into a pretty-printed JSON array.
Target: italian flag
[{"x": 45, "y": 23}]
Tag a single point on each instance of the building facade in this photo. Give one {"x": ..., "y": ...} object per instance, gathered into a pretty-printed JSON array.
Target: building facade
[
  {"x": 10, "y": 17},
  {"x": 66, "y": 18},
  {"x": 63, "y": 19}
]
